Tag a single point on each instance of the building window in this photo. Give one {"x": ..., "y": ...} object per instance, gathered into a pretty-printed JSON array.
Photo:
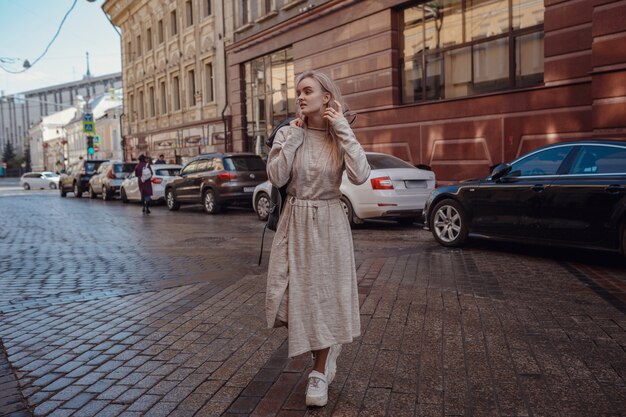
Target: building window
[
  {"x": 176, "y": 93},
  {"x": 173, "y": 23},
  {"x": 133, "y": 107},
  {"x": 163, "y": 97},
  {"x": 266, "y": 6},
  {"x": 460, "y": 48},
  {"x": 129, "y": 50},
  {"x": 138, "y": 45},
  {"x": 142, "y": 114},
  {"x": 208, "y": 82},
  {"x": 149, "y": 39},
  {"x": 160, "y": 31},
  {"x": 207, "y": 7},
  {"x": 269, "y": 94},
  {"x": 152, "y": 101},
  {"x": 189, "y": 12},
  {"x": 191, "y": 88},
  {"x": 244, "y": 12}
]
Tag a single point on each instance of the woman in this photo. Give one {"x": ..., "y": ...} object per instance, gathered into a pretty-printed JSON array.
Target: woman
[
  {"x": 143, "y": 172},
  {"x": 311, "y": 281}
]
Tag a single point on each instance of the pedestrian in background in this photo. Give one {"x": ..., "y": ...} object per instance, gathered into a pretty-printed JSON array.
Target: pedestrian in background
[
  {"x": 143, "y": 172},
  {"x": 311, "y": 280},
  {"x": 161, "y": 160}
]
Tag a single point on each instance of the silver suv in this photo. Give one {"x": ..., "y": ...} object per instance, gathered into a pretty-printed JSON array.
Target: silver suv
[{"x": 108, "y": 178}]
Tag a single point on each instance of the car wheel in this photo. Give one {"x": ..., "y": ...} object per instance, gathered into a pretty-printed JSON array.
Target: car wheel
[
  {"x": 52, "y": 186},
  {"x": 123, "y": 196},
  {"x": 62, "y": 190},
  {"x": 170, "y": 200},
  {"x": 106, "y": 196},
  {"x": 210, "y": 202},
  {"x": 262, "y": 205},
  {"x": 26, "y": 186},
  {"x": 92, "y": 194},
  {"x": 77, "y": 191},
  {"x": 349, "y": 211},
  {"x": 448, "y": 223}
]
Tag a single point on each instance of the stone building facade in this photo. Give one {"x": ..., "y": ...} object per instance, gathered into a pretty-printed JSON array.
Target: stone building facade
[{"x": 173, "y": 74}]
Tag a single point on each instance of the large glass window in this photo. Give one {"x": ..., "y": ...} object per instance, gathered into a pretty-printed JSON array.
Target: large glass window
[
  {"x": 270, "y": 95},
  {"x": 457, "y": 48}
]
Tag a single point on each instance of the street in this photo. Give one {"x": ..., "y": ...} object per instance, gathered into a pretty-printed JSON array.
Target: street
[{"x": 108, "y": 312}]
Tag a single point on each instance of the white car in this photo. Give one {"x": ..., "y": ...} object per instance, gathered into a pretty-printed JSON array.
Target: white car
[
  {"x": 45, "y": 180},
  {"x": 163, "y": 173},
  {"x": 394, "y": 190}
]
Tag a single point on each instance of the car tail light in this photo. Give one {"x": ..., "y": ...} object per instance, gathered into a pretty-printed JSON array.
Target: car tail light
[
  {"x": 111, "y": 174},
  {"x": 157, "y": 180},
  {"x": 382, "y": 183},
  {"x": 226, "y": 176}
]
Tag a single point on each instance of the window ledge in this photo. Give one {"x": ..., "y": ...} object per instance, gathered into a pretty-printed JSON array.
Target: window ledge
[
  {"x": 244, "y": 27},
  {"x": 292, "y": 4},
  {"x": 267, "y": 16}
]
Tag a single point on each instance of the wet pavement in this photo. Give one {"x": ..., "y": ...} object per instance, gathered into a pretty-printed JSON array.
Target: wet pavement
[{"x": 105, "y": 311}]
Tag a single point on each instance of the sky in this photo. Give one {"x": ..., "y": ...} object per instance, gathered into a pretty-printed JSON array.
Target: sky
[{"x": 26, "y": 28}]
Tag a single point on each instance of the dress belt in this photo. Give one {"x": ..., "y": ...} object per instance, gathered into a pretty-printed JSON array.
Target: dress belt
[{"x": 303, "y": 202}]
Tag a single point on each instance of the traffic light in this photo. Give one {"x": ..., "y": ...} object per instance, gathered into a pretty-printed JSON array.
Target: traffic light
[{"x": 90, "y": 149}]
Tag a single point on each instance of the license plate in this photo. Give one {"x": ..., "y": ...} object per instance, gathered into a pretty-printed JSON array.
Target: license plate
[{"x": 248, "y": 189}]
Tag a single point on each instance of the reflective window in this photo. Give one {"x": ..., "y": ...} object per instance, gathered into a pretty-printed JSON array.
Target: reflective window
[
  {"x": 600, "y": 160},
  {"x": 171, "y": 172},
  {"x": 269, "y": 95},
  {"x": 244, "y": 163},
  {"x": 191, "y": 167},
  {"x": 541, "y": 163},
  {"x": 386, "y": 161},
  {"x": 457, "y": 48}
]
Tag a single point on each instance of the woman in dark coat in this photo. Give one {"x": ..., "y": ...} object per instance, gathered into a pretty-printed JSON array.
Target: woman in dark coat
[{"x": 144, "y": 182}]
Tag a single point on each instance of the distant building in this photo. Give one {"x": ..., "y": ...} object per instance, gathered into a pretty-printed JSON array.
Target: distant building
[
  {"x": 58, "y": 140},
  {"x": 19, "y": 112},
  {"x": 174, "y": 79}
]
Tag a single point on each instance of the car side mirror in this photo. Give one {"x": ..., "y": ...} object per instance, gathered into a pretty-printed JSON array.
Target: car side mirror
[{"x": 500, "y": 171}]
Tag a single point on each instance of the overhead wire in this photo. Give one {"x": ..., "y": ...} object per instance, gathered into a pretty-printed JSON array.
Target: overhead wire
[{"x": 48, "y": 46}]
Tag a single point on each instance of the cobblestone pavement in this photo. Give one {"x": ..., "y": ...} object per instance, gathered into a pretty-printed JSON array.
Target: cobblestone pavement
[{"x": 107, "y": 312}]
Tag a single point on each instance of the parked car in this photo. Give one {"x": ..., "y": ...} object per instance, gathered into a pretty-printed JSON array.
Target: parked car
[
  {"x": 41, "y": 180},
  {"x": 216, "y": 180},
  {"x": 395, "y": 190},
  {"x": 163, "y": 174},
  {"x": 565, "y": 194},
  {"x": 76, "y": 178},
  {"x": 109, "y": 177}
]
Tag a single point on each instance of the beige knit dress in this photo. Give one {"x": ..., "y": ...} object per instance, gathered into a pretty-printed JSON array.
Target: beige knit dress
[{"x": 311, "y": 279}]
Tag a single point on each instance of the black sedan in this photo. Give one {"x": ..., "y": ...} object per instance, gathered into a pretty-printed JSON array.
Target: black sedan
[{"x": 565, "y": 194}]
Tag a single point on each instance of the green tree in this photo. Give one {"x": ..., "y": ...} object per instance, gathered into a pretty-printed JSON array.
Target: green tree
[{"x": 9, "y": 153}]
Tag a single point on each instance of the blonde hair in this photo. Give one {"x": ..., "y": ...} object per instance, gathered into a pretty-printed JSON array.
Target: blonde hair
[{"x": 327, "y": 84}]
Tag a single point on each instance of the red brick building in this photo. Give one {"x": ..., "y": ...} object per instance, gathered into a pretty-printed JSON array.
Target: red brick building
[{"x": 459, "y": 85}]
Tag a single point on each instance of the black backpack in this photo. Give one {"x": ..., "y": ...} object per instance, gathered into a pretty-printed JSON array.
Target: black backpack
[{"x": 277, "y": 195}]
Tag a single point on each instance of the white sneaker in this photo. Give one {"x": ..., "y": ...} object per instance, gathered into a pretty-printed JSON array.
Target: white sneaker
[
  {"x": 330, "y": 369},
  {"x": 317, "y": 390}
]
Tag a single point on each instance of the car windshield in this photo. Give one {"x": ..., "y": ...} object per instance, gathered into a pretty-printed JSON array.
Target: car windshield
[
  {"x": 170, "y": 172},
  {"x": 50, "y": 174},
  {"x": 91, "y": 167},
  {"x": 378, "y": 161},
  {"x": 119, "y": 168},
  {"x": 244, "y": 163}
]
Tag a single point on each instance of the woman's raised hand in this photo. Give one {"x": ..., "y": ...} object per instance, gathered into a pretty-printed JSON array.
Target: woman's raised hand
[{"x": 332, "y": 115}]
